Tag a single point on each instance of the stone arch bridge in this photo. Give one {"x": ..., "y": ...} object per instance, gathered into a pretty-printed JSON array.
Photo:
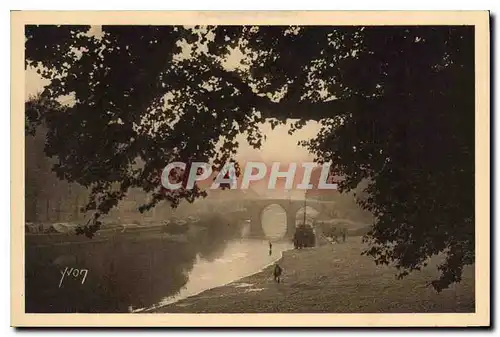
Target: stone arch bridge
[{"x": 253, "y": 209}]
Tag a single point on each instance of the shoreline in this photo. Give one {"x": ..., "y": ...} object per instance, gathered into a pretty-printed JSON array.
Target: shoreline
[
  {"x": 238, "y": 283},
  {"x": 330, "y": 279},
  {"x": 238, "y": 280}
]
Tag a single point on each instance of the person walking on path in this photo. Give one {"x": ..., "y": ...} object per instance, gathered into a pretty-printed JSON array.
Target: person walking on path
[{"x": 277, "y": 273}]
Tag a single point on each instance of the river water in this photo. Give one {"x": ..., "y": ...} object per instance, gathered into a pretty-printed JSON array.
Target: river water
[
  {"x": 239, "y": 259},
  {"x": 139, "y": 271}
]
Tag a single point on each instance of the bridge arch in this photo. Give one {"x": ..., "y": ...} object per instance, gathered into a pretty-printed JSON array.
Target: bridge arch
[
  {"x": 311, "y": 214},
  {"x": 291, "y": 207},
  {"x": 273, "y": 219}
]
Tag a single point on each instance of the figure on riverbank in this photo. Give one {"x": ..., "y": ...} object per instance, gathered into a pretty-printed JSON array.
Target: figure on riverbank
[
  {"x": 270, "y": 248},
  {"x": 277, "y": 273},
  {"x": 344, "y": 234}
]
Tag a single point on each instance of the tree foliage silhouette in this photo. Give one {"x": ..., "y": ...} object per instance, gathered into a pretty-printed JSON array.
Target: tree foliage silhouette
[{"x": 396, "y": 106}]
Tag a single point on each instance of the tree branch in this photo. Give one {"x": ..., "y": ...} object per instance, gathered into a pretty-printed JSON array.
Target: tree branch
[{"x": 292, "y": 109}]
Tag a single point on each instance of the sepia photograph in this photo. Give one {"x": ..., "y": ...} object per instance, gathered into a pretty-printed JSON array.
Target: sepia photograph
[{"x": 173, "y": 163}]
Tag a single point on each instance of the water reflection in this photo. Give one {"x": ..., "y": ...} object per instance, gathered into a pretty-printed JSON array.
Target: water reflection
[
  {"x": 239, "y": 259},
  {"x": 139, "y": 270},
  {"x": 121, "y": 272}
]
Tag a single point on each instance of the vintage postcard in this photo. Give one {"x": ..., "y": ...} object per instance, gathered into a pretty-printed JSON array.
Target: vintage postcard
[{"x": 320, "y": 169}]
